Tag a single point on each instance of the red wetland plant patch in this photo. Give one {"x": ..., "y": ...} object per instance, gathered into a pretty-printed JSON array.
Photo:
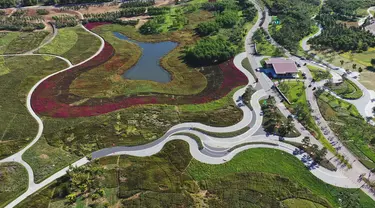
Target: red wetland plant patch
[{"x": 52, "y": 97}]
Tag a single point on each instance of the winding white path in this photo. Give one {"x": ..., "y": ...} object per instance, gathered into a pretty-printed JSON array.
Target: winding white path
[{"x": 215, "y": 149}]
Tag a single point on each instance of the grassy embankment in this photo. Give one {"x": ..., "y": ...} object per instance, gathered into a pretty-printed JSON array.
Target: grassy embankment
[{"x": 346, "y": 89}]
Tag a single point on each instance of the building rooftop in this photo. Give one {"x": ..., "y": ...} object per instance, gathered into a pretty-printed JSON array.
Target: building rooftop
[{"x": 282, "y": 65}]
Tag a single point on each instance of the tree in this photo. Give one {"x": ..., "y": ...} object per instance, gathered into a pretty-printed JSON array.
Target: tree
[
  {"x": 342, "y": 62},
  {"x": 354, "y": 66},
  {"x": 150, "y": 27},
  {"x": 306, "y": 141},
  {"x": 349, "y": 200},
  {"x": 321, "y": 154},
  {"x": 373, "y": 61},
  {"x": 314, "y": 148},
  {"x": 360, "y": 69}
]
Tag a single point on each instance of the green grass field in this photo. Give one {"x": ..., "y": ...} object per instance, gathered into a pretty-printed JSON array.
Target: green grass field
[
  {"x": 75, "y": 44},
  {"x": 347, "y": 60},
  {"x": 272, "y": 162},
  {"x": 64, "y": 41},
  {"x": 13, "y": 180},
  {"x": 171, "y": 178},
  {"x": 46, "y": 159},
  {"x": 18, "y": 126}
]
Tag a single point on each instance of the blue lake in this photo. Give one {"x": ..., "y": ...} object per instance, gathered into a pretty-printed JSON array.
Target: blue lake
[{"x": 147, "y": 67}]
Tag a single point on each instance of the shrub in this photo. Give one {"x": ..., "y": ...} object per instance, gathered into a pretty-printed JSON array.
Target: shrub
[
  {"x": 42, "y": 12},
  {"x": 207, "y": 28}
]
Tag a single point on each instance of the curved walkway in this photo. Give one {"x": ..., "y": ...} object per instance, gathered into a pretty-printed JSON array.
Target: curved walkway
[{"x": 39, "y": 54}]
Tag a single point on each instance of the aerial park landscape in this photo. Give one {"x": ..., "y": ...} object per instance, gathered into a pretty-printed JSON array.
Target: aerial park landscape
[{"x": 184, "y": 104}]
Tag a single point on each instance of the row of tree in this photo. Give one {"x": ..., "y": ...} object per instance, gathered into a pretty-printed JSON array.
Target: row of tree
[
  {"x": 157, "y": 10},
  {"x": 21, "y": 23},
  {"x": 137, "y": 3}
]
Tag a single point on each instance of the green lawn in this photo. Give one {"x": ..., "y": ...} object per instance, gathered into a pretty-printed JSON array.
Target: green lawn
[
  {"x": 171, "y": 178},
  {"x": 19, "y": 127},
  {"x": 13, "y": 180},
  {"x": 75, "y": 44},
  {"x": 318, "y": 73},
  {"x": 346, "y": 89},
  {"x": 64, "y": 41},
  {"x": 20, "y": 42}
]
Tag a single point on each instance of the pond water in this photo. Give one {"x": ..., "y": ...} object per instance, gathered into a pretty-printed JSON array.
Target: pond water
[{"x": 147, "y": 67}]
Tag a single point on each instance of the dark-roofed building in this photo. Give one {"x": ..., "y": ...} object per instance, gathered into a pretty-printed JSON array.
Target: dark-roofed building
[{"x": 281, "y": 68}]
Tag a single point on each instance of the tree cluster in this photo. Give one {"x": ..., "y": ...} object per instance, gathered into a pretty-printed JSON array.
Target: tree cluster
[
  {"x": 227, "y": 19},
  {"x": 8, "y": 3},
  {"x": 83, "y": 182},
  {"x": 209, "y": 51},
  {"x": 341, "y": 38},
  {"x": 137, "y": 3},
  {"x": 220, "y": 6},
  {"x": 296, "y": 22},
  {"x": 152, "y": 26}
]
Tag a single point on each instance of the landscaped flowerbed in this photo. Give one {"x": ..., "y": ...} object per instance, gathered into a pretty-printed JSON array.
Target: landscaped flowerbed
[{"x": 52, "y": 97}]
